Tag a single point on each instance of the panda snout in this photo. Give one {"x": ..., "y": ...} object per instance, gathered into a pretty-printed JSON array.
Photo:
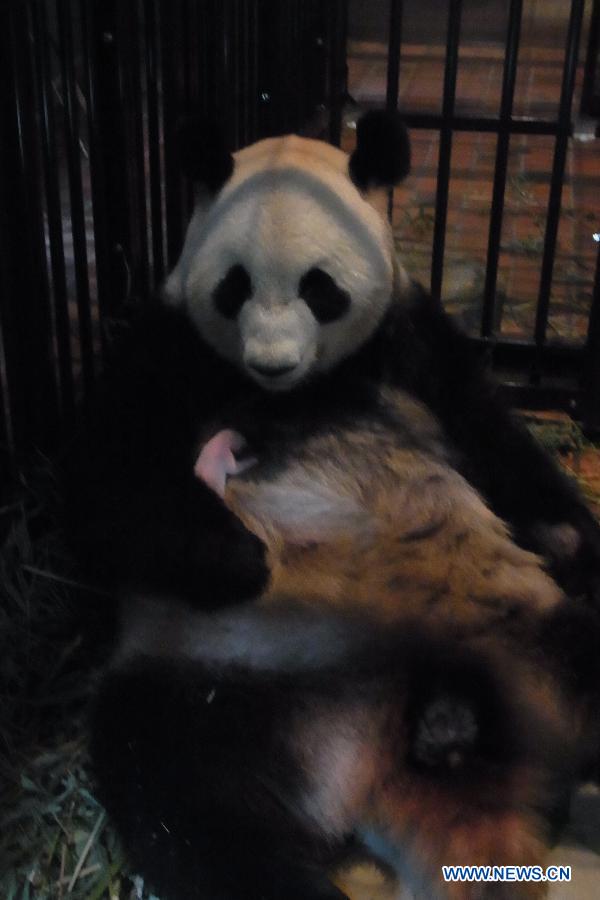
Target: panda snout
[{"x": 273, "y": 371}]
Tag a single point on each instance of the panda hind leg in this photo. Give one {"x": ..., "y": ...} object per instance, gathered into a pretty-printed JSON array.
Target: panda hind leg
[{"x": 195, "y": 776}]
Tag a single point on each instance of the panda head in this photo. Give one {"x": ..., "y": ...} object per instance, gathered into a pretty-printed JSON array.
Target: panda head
[{"x": 288, "y": 263}]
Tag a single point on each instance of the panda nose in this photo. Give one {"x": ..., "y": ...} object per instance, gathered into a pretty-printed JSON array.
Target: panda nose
[{"x": 272, "y": 371}]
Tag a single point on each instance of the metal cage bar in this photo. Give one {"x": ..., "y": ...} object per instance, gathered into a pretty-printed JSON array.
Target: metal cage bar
[
  {"x": 130, "y": 27},
  {"x": 76, "y": 197},
  {"x": 590, "y": 89},
  {"x": 172, "y": 87},
  {"x": 485, "y": 124},
  {"x": 445, "y": 153},
  {"x": 501, "y": 164},
  {"x": 99, "y": 187},
  {"x": 152, "y": 64},
  {"x": 62, "y": 324},
  {"x": 111, "y": 193},
  {"x": 558, "y": 168},
  {"x": 28, "y": 372},
  {"x": 337, "y": 75},
  {"x": 392, "y": 89},
  {"x": 591, "y": 372}
]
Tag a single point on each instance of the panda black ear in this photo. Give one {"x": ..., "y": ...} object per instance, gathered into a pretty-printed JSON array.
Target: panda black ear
[
  {"x": 382, "y": 154},
  {"x": 203, "y": 152}
]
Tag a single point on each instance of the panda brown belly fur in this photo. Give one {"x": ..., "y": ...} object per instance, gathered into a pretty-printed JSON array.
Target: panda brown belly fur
[{"x": 364, "y": 518}]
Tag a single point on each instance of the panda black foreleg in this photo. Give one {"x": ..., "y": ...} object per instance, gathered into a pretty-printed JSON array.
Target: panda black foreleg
[
  {"x": 196, "y": 548},
  {"x": 173, "y": 537},
  {"x": 199, "y": 781},
  {"x": 135, "y": 514}
]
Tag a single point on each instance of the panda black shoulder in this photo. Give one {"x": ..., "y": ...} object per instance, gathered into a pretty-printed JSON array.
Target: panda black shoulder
[
  {"x": 426, "y": 350},
  {"x": 161, "y": 356}
]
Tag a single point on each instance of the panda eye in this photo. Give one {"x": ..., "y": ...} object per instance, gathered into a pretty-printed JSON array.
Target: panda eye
[
  {"x": 232, "y": 292},
  {"x": 326, "y": 301}
]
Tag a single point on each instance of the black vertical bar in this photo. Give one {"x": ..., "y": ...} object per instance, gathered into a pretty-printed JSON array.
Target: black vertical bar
[
  {"x": 591, "y": 372},
  {"x": 558, "y": 172},
  {"x": 590, "y": 102},
  {"x": 12, "y": 387},
  {"x": 7, "y": 441},
  {"x": 337, "y": 68},
  {"x": 129, "y": 33},
  {"x": 25, "y": 315},
  {"x": 235, "y": 80},
  {"x": 502, "y": 147},
  {"x": 192, "y": 102},
  {"x": 108, "y": 117},
  {"x": 393, "y": 70},
  {"x": 172, "y": 84},
  {"x": 219, "y": 61},
  {"x": 311, "y": 43},
  {"x": 301, "y": 62},
  {"x": 203, "y": 56},
  {"x": 393, "y": 61},
  {"x": 443, "y": 178},
  {"x": 289, "y": 88},
  {"x": 267, "y": 63},
  {"x": 97, "y": 173},
  {"x": 54, "y": 211},
  {"x": 73, "y": 149},
  {"x": 253, "y": 99},
  {"x": 189, "y": 71},
  {"x": 152, "y": 77},
  {"x": 245, "y": 74}
]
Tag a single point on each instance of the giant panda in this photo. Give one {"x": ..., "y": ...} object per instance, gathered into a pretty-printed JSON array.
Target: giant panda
[{"x": 289, "y": 321}]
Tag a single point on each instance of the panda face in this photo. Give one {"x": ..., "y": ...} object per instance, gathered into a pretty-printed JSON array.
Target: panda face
[{"x": 289, "y": 269}]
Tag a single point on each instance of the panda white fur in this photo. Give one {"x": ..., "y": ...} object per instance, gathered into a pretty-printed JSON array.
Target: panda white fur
[
  {"x": 281, "y": 299},
  {"x": 286, "y": 315}
]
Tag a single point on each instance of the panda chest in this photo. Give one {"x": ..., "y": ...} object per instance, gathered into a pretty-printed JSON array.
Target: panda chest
[
  {"x": 333, "y": 500},
  {"x": 366, "y": 508}
]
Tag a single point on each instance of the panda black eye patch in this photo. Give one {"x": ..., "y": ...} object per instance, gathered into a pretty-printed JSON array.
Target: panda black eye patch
[
  {"x": 232, "y": 292},
  {"x": 325, "y": 299}
]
